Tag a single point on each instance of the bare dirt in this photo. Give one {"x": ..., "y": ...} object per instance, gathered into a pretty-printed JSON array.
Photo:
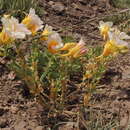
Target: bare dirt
[{"x": 19, "y": 111}]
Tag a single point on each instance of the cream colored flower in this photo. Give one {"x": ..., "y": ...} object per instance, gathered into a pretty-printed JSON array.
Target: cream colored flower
[
  {"x": 104, "y": 28},
  {"x": 12, "y": 30},
  {"x": 116, "y": 33},
  {"x": 33, "y": 22},
  {"x": 119, "y": 38},
  {"x": 54, "y": 42}
]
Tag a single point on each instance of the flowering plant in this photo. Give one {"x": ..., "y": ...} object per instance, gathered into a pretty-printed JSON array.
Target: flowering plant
[{"x": 47, "y": 63}]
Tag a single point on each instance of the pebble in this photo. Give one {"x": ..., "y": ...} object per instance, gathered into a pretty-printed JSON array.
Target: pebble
[
  {"x": 21, "y": 125},
  {"x": 14, "y": 109},
  {"x": 5, "y": 129},
  {"x": 39, "y": 128},
  {"x": 51, "y": 3},
  {"x": 57, "y": 6},
  {"x": 3, "y": 123}
]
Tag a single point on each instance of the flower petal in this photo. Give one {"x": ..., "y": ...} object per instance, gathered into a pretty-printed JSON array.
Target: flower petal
[{"x": 123, "y": 35}]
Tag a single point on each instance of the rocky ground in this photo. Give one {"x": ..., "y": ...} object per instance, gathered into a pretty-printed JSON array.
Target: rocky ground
[{"x": 19, "y": 111}]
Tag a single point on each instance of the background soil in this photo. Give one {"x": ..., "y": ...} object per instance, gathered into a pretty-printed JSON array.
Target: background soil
[{"x": 19, "y": 111}]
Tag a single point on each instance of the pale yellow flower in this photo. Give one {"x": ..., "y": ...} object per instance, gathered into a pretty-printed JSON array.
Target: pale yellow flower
[
  {"x": 5, "y": 38},
  {"x": 48, "y": 30},
  {"x": 68, "y": 46},
  {"x": 77, "y": 50},
  {"x": 110, "y": 48},
  {"x": 116, "y": 44},
  {"x": 33, "y": 22},
  {"x": 104, "y": 28},
  {"x": 88, "y": 75},
  {"x": 6, "y": 15}
]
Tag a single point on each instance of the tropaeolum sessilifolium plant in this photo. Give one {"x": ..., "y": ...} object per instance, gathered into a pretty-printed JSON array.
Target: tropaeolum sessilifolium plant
[{"x": 46, "y": 63}]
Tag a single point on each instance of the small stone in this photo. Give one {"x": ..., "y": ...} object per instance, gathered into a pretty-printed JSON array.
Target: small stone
[
  {"x": 21, "y": 125},
  {"x": 6, "y": 128},
  {"x": 14, "y": 109},
  {"x": 39, "y": 128},
  {"x": 3, "y": 123},
  {"x": 51, "y": 3},
  {"x": 59, "y": 7}
]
